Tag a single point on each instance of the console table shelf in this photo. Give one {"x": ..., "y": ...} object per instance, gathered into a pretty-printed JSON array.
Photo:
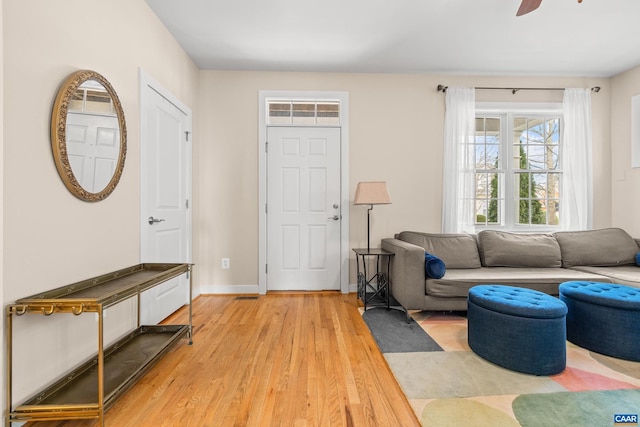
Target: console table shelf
[{"x": 90, "y": 389}]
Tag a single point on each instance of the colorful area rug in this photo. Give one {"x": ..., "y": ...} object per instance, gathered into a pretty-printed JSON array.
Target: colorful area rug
[{"x": 449, "y": 385}]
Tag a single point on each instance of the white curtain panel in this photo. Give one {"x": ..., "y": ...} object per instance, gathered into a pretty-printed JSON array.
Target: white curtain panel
[
  {"x": 459, "y": 160},
  {"x": 577, "y": 185}
]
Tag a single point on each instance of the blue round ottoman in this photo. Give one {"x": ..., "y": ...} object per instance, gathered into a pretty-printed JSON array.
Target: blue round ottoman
[
  {"x": 603, "y": 317},
  {"x": 519, "y": 329}
]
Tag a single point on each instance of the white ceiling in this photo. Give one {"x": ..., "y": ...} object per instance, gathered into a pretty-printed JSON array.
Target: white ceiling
[{"x": 595, "y": 38}]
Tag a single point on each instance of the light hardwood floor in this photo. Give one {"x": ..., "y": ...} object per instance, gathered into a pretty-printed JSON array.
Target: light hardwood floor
[{"x": 277, "y": 360}]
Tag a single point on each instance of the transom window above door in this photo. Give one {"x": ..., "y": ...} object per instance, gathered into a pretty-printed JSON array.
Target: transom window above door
[{"x": 296, "y": 113}]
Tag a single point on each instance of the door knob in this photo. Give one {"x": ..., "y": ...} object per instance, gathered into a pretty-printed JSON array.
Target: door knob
[
  {"x": 335, "y": 217},
  {"x": 153, "y": 220}
]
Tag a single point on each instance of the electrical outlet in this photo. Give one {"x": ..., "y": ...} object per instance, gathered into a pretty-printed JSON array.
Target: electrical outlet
[{"x": 225, "y": 263}]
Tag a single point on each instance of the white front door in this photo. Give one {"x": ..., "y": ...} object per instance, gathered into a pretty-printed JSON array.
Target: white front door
[
  {"x": 165, "y": 192},
  {"x": 303, "y": 208}
]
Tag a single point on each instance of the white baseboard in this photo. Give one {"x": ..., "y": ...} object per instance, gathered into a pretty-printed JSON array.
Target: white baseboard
[
  {"x": 245, "y": 289},
  {"x": 228, "y": 289}
]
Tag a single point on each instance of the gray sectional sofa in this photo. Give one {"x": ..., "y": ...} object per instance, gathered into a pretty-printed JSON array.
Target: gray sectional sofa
[{"x": 535, "y": 261}]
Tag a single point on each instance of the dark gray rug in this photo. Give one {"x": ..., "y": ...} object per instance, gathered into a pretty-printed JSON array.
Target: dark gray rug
[{"x": 394, "y": 335}]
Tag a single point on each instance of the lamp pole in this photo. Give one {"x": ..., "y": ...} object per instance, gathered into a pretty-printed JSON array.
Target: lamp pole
[{"x": 368, "y": 217}]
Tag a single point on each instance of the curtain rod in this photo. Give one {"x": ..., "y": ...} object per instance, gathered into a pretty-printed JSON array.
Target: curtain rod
[{"x": 443, "y": 88}]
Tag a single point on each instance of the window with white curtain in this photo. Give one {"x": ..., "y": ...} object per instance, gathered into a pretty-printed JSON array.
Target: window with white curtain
[{"x": 518, "y": 167}]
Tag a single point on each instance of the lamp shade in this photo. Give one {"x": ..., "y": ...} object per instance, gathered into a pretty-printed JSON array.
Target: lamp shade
[{"x": 372, "y": 193}]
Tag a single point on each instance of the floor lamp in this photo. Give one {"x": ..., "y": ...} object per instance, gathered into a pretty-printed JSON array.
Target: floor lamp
[{"x": 371, "y": 193}]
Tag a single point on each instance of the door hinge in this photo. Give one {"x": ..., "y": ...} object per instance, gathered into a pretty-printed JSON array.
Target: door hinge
[
  {"x": 266, "y": 209},
  {"x": 266, "y": 269},
  {"x": 266, "y": 146},
  {"x": 187, "y": 134},
  {"x": 187, "y": 204},
  {"x": 187, "y": 275}
]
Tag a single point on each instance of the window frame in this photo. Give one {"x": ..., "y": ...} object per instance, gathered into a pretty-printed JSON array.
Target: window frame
[{"x": 506, "y": 172}]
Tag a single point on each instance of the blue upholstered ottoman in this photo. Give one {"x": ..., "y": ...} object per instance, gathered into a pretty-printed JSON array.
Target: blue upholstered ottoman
[
  {"x": 603, "y": 317},
  {"x": 519, "y": 329}
]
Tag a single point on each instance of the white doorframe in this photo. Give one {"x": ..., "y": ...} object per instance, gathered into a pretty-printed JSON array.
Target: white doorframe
[
  {"x": 343, "y": 97},
  {"x": 145, "y": 80}
]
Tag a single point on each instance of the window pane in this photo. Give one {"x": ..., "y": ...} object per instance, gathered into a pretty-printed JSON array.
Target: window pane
[
  {"x": 487, "y": 141},
  {"x": 519, "y": 125},
  {"x": 518, "y": 155},
  {"x": 481, "y": 156},
  {"x": 492, "y": 156},
  {"x": 521, "y": 185},
  {"x": 539, "y": 185},
  {"x": 553, "y": 186},
  {"x": 553, "y": 131},
  {"x": 493, "y": 212},
  {"x": 552, "y": 156},
  {"x": 328, "y": 113},
  {"x": 553, "y": 143},
  {"x": 538, "y": 214},
  {"x": 492, "y": 129},
  {"x": 522, "y": 211},
  {"x": 279, "y": 112},
  {"x": 481, "y": 212},
  {"x": 536, "y": 157},
  {"x": 553, "y": 212},
  {"x": 482, "y": 189},
  {"x": 304, "y": 113}
]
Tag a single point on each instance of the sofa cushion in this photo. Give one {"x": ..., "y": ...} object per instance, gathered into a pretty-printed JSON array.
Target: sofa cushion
[
  {"x": 457, "y": 282},
  {"x": 603, "y": 247},
  {"x": 455, "y": 250},
  {"x": 502, "y": 249},
  {"x": 628, "y": 275}
]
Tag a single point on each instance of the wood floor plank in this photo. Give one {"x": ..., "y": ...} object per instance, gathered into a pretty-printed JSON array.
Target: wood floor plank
[{"x": 303, "y": 359}]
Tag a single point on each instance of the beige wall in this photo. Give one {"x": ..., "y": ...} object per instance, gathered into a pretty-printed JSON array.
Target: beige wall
[
  {"x": 2, "y": 299},
  {"x": 396, "y": 133},
  {"x": 51, "y": 238},
  {"x": 625, "y": 182}
]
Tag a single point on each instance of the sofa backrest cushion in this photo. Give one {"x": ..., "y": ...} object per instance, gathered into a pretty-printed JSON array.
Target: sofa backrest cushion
[
  {"x": 503, "y": 249},
  {"x": 603, "y": 247},
  {"x": 456, "y": 250}
]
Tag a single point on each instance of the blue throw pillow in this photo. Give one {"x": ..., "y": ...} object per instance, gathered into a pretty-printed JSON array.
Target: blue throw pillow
[
  {"x": 433, "y": 266},
  {"x": 638, "y": 259}
]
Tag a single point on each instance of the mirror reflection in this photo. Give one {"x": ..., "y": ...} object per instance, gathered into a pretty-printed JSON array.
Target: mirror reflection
[{"x": 93, "y": 137}]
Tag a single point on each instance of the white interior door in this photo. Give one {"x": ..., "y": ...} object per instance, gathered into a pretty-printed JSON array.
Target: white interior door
[
  {"x": 165, "y": 217},
  {"x": 303, "y": 208}
]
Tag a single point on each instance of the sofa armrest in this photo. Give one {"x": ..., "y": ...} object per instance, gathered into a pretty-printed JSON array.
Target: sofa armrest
[{"x": 406, "y": 275}]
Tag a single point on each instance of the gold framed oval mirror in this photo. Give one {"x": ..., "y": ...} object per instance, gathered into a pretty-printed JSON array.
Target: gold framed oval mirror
[{"x": 88, "y": 135}]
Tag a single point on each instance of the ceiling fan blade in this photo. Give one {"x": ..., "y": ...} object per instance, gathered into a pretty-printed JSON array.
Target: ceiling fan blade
[{"x": 528, "y": 6}]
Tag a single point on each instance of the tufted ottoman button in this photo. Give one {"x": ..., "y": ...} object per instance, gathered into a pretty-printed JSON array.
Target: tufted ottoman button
[
  {"x": 519, "y": 329},
  {"x": 603, "y": 317}
]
